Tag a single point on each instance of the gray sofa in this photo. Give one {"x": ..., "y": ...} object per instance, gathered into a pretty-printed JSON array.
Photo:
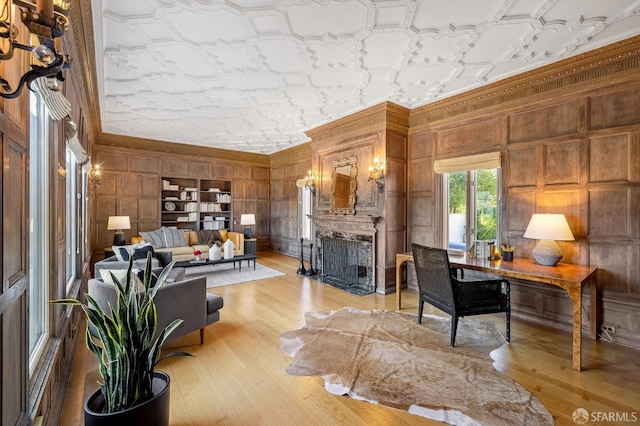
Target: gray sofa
[{"x": 186, "y": 299}]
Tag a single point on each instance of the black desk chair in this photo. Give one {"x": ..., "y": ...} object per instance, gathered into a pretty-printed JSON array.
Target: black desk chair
[{"x": 440, "y": 288}]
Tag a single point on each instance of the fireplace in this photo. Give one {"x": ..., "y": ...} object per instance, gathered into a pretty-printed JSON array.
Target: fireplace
[{"x": 345, "y": 252}]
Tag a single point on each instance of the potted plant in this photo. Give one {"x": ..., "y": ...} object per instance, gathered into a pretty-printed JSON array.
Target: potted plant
[{"x": 128, "y": 352}]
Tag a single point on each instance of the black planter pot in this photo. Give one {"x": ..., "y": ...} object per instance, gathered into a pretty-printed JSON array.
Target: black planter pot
[{"x": 153, "y": 412}]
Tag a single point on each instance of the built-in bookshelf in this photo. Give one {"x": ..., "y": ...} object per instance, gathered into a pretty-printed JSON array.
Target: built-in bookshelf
[
  {"x": 195, "y": 203},
  {"x": 215, "y": 204}
]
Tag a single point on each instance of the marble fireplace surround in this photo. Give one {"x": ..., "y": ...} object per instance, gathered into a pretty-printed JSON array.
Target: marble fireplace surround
[{"x": 360, "y": 229}]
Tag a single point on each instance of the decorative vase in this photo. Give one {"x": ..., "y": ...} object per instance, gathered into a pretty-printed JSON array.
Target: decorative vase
[
  {"x": 153, "y": 412},
  {"x": 215, "y": 253},
  {"x": 228, "y": 249},
  {"x": 198, "y": 257}
]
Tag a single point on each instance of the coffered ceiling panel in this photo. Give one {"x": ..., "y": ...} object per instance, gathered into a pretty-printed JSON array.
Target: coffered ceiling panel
[{"x": 254, "y": 75}]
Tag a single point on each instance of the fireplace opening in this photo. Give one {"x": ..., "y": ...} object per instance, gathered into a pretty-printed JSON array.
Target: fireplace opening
[{"x": 347, "y": 264}]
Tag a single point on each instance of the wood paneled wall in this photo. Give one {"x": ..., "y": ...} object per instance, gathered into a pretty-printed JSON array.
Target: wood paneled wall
[
  {"x": 131, "y": 182},
  {"x": 571, "y": 146},
  {"x": 286, "y": 168}
]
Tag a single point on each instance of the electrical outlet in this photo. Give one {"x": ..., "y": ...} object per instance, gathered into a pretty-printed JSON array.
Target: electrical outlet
[{"x": 609, "y": 329}]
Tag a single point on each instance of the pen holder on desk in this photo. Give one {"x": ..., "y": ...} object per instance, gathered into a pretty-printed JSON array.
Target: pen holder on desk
[{"x": 507, "y": 255}]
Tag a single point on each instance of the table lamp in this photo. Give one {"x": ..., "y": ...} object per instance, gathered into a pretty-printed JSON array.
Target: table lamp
[
  {"x": 247, "y": 220},
  {"x": 118, "y": 223},
  {"x": 547, "y": 228}
]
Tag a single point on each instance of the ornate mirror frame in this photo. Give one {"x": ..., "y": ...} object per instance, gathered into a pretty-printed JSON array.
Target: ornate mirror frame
[{"x": 350, "y": 208}]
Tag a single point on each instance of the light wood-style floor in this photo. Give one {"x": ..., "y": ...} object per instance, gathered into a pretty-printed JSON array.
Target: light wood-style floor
[{"x": 238, "y": 376}]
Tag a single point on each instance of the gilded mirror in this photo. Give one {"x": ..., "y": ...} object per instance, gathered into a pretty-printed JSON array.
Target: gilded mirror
[{"x": 343, "y": 186}]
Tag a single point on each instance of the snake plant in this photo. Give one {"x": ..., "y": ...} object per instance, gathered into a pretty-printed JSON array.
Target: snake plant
[{"x": 128, "y": 352}]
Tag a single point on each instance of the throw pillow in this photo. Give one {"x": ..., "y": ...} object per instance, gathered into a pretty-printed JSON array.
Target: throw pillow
[
  {"x": 120, "y": 274},
  {"x": 156, "y": 238},
  {"x": 174, "y": 237},
  {"x": 224, "y": 236},
  {"x": 209, "y": 237},
  {"x": 138, "y": 251}
]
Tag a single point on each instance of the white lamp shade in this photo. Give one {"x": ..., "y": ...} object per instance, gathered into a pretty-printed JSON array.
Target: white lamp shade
[
  {"x": 118, "y": 223},
  {"x": 547, "y": 226},
  {"x": 247, "y": 219}
]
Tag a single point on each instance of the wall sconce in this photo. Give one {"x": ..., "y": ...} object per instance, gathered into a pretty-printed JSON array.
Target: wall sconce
[
  {"x": 376, "y": 173},
  {"x": 46, "y": 22},
  {"x": 95, "y": 176},
  {"x": 310, "y": 182}
]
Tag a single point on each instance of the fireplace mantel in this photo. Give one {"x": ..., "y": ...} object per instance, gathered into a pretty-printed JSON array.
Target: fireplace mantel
[{"x": 353, "y": 224}]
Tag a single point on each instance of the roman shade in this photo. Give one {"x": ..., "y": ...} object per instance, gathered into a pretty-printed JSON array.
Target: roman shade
[{"x": 489, "y": 160}]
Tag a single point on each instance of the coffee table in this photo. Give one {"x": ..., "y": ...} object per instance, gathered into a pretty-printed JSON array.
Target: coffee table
[{"x": 234, "y": 259}]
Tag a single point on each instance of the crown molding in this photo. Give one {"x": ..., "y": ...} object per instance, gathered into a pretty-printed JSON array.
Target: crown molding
[
  {"x": 79, "y": 44},
  {"x": 620, "y": 59},
  {"x": 119, "y": 141},
  {"x": 378, "y": 117},
  {"x": 291, "y": 155}
]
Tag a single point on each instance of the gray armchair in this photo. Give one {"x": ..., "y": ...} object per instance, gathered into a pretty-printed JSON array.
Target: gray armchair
[{"x": 186, "y": 299}]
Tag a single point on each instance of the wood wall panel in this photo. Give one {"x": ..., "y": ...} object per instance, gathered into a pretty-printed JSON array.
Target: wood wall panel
[
  {"x": 610, "y": 158},
  {"x": 616, "y": 268},
  {"x": 199, "y": 168},
  {"x": 149, "y": 186},
  {"x": 571, "y": 203},
  {"x": 422, "y": 175},
  {"x": 519, "y": 167},
  {"x": 614, "y": 109},
  {"x": 477, "y": 136},
  {"x": 520, "y": 206},
  {"x": 128, "y": 185},
  {"x": 114, "y": 162},
  {"x": 260, "y": 174},
  {"x": 241, "y": 172},
  {"x": 562, "y": 163},
  {"x": 221, "y": 170},
  {"x": 609, "y": 213},
  {"x": 144, "y": 164},
  {"x": 422, "y": 144},
  {"x": 174, "y": 167},
  {"x": 555, "y": 120}
]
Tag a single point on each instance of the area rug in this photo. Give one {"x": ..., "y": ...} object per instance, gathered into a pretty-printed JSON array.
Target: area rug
[
  {"x": 387, "y": 358},
  {"x": 224, "y": 274}
]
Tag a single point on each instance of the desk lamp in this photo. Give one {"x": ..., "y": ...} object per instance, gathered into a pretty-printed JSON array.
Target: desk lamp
[
  {"x": 547, "y": 228},
  {"x": 247, "y": 220}
]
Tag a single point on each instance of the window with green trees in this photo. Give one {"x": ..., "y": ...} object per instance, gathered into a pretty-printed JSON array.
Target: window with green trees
[{"x": 472, "y": 206}]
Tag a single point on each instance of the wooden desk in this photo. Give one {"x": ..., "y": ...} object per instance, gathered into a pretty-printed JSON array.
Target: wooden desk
[{"x": 567, "y": 276}]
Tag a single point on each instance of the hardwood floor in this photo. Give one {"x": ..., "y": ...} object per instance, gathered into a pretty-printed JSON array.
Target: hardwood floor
[{"x": 238, "y": 376}]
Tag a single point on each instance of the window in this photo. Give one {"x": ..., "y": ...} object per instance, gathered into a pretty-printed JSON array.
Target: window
[
  {"x": 305, "y": 209},
  {"x": 471, "y": 201},
  {"x": 38, "y": 227},
  {"x": 73, "y": 233}
]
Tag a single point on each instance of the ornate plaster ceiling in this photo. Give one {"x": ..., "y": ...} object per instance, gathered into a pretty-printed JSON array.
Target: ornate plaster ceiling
[{"x": 254, "y": 75}]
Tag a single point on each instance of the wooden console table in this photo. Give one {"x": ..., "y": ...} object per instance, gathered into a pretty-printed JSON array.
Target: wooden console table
[{"x": 567, "y": 276}]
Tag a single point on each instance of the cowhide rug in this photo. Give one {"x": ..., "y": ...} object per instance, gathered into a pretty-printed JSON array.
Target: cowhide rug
[{"x": 388, "y": 358}]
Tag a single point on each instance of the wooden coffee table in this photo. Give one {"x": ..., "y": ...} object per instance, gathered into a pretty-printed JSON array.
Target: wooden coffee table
[{"x": 234, "y": 259}]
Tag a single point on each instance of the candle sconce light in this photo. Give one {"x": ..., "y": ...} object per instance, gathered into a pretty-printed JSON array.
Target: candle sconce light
[
  {"x": 45, "y": 20},
  {"x": 95, "y": 176},
  {"x": 310, "y": 182},
  {"x": 376, "y": 173}
]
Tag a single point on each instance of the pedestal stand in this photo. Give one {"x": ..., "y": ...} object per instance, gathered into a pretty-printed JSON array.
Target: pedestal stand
[
  {"x": 311, "y": 271},
  {"x": 301, "y": 269}
]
